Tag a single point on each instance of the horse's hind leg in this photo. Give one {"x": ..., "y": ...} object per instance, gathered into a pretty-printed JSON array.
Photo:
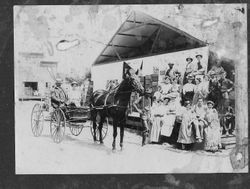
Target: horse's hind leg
[
  {"x": 114, "y": 134},
  {"x": 121, "y": 135},
  {"x": 93, "y": 117}
]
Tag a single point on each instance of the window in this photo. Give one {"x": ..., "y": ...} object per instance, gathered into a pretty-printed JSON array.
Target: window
[{"x": 30, "y": 87}]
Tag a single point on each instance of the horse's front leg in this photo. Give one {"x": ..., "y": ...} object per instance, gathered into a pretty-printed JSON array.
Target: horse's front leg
[
  {"x": 121, "y": 134},
  {"x": 100, "y": 129},
  {"x": 114, "y": 134}
]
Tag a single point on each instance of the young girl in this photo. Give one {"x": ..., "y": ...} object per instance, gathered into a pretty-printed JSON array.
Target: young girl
[
  {"x": 156, "y": 118},
  {"x": 212, "y": 135}
]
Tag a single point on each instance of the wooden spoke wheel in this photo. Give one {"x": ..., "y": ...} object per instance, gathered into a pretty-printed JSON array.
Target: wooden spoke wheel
[
  {"x": 57, "y": 125},
  {"x": 104, "y": 130},
  {"x": 76, "y": 129},
  {"x": 37, "y": 120}
]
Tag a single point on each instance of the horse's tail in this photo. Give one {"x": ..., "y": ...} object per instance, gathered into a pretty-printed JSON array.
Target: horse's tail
[{"x": 93, "y": 102}]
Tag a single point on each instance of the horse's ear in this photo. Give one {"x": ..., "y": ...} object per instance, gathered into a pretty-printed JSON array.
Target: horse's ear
[
  {"x": 126, "y": 69},
  {"x": 136, "y": 73}
]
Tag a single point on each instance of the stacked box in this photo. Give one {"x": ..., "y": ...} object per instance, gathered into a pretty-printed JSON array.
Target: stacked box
[
  {"x": 155, "y": 77},
  {"x": 148, "y": 82},
  {"x": 155, "y": 83},
  {"x": 142, "y": 80}
]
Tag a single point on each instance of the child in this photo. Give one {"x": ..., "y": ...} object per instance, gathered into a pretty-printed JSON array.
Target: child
[{"x": 156, "y": 118}]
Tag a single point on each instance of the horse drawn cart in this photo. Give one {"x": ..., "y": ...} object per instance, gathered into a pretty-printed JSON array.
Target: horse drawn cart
[{"x": 76, "y": 118}]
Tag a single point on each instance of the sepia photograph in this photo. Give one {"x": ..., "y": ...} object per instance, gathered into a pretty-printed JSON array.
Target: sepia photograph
[{"x": 125, "y": 89}]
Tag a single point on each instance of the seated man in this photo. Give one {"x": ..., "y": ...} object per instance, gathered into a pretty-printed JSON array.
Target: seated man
[{"x": 58, "y": 95}]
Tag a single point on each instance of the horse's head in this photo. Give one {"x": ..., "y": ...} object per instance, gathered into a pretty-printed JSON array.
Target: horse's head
[{"x": 132, "y": 81}]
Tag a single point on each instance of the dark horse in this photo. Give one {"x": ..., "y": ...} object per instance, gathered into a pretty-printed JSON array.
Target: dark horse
[{"x": 114, "y": 104}]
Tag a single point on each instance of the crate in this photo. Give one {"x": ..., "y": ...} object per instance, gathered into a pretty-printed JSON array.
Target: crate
[
  {"x": 148, "y": 81},
  {"x": 154, "y": 77},
  {"x": 155, "y": 83},
  {"x": 148, "y": 86}
]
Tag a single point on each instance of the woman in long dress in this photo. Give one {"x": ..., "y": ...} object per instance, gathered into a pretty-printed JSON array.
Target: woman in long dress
[
  {"x": 186, "y": 135},
  {"x": 156, "y": 118},
  {"x": 175, "y": 132},
  {"x": 168, "y": 118},
  {"x": 212, "y": 135}
]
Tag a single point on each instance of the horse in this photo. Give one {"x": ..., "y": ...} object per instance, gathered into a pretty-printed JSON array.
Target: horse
[{"x": 114, "y": 104}]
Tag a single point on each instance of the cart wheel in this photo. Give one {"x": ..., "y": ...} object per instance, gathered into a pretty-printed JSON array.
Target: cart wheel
[
  {"x": 37, "y": 120},
  {"x": 104, "y": 130},
  {"x": 76, "y": 129},
  {"x": 57, "y": 125}
]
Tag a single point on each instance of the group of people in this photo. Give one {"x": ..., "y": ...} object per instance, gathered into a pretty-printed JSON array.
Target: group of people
[
  {"x": 185, "y": 125},
  {"x": 184, "y": 110}
]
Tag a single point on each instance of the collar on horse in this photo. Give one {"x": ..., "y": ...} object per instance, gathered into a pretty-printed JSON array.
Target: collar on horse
[{"x": 105, "y": 106}]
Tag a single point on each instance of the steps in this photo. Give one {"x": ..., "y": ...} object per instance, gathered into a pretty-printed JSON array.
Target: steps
[{"x": 228, "y": 142}]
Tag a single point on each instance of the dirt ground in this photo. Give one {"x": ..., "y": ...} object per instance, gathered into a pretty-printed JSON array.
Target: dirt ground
[{"x": 80, "y": 155}]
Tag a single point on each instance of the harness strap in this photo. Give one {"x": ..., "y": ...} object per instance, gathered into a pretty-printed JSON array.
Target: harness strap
[
  {"x": 105, "y": 100},
  {"x": 98, "y": 97}
]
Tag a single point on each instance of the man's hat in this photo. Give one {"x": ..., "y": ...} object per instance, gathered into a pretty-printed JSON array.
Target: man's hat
[
  {"x": 170, "y": 63},
  {"x": 198, "y": 79},
  {"x": 189, "y": 58},
  {"x": 210, "y": 102},
  {"x": 73, "y": 83},
  {"x": 166, "y": 97},
  {"x": 187, "y": 102},
  {"x": 177, "y": 72},
  {"x": 190, "y": 77},
  {"x": 199, "y": 55},
  {"x": 59, "y": 80}
]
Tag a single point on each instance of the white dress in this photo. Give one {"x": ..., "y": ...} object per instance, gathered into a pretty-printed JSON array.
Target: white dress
[
  {"x": 168, "y": 119},
  {"x": 156, "y": 113}
]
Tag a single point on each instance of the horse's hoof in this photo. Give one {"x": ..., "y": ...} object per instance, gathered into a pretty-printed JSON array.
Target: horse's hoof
[
  {"x": 121, "y": 145},
  {"x": 101, "y": 142}
]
